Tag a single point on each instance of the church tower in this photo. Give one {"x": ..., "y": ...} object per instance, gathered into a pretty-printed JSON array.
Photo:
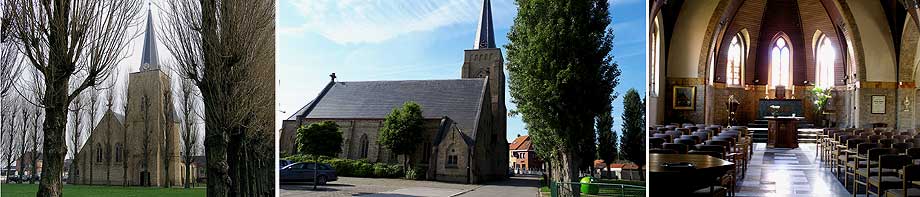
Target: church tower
[
  {"x": 149, "y": 94},
  {"x": 485, "y": 60}
]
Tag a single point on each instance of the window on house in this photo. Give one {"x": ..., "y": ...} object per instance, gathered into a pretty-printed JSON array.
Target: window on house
[
  {"x": 825, "y": 56},
  {"x": 780, "y": 63},
  {"x": 451, "y": 157},
  {"x": 118, "y": 152},
  {"x": 98, "y": 153},
  {"x": 364, "y": 146},
  {"x": 735, "y": 61},
  {"x": 653, "y": 59}
]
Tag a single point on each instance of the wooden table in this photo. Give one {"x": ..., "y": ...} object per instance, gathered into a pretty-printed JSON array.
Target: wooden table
[
  {"x": 675, "y": 181},
  {"x": 783, "y": 132}
]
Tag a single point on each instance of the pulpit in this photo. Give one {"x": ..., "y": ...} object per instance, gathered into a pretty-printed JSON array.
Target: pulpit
[{"x": 783, "y": 132}]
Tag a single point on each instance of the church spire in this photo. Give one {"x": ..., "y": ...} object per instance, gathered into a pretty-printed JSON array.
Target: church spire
[
  {"x": 149, "y": 56},
  {"x": 485, "y": 37}
]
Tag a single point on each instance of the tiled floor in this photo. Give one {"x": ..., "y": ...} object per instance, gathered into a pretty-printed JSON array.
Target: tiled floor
[{"x": 788, "y": 172}]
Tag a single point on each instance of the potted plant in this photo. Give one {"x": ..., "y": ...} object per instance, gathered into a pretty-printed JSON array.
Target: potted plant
[{"x": 820, "y": 98}]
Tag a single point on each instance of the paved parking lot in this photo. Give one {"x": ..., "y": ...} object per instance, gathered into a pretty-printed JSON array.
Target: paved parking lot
[{"x": 351, "y": 186}]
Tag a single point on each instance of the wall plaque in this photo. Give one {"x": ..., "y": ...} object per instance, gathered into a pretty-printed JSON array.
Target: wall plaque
[{"x": 878, "y": 104}]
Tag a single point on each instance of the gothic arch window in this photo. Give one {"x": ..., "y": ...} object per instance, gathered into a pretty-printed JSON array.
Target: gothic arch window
[
  {"x": 118, "y": 152},
  {"x": 364, "y": 146},
  {"x": 825, "y": 57},
  {"x": 99, "y": 153},
  {"x": 735, "y": 61},
  {"x": 451, "y": 157},
  {"x": 780, "y": 62},
  {"x": 654, "y": 53}
]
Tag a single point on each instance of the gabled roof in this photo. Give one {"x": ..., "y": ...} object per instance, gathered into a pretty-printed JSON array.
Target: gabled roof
[
  {"x": 459, "y": 99},
  {"x": 521, "y": 143}
]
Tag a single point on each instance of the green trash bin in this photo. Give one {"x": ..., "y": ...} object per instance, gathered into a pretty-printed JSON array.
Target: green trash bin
[{"x": 588, "y": 188}]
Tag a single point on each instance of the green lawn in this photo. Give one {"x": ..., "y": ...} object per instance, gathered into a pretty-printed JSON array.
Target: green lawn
[{"x": 14, "y": 190}]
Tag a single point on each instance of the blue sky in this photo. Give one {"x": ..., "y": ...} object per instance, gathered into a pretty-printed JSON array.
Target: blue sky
[{"x": 363, "y": 40}]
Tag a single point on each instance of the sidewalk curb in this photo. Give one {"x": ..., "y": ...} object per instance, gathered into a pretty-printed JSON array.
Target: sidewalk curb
[{"x": 465, "y": 191}]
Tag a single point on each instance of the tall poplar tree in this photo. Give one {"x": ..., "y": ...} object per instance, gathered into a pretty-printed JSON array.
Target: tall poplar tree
[{"x": 561, "y": 75}]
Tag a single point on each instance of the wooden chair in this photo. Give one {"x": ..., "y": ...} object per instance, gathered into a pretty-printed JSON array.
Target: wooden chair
[
  {"x": 655, "y": 142},
  {"x": 860, "y": 161},
  {"x": 679, "y": 148},
  {"x": 883, "y": 182},
  {"x": 848, "y": 154},
  {"x": 870, "y": 158},
  {"x": 911, "y": 174}
]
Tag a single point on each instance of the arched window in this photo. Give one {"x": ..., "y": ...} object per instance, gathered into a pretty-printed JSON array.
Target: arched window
[
  {"x": 735, "y": 61},
  {"x": 654, "y": 53},
  {"x": 825, "y": 56},
  {"x": 451, "y": 157},
  {"x": 780, "y": 63},
  {"x": 364, "y": 146},
  {"x": 118, "y": 152},
  {"x": 99, "y": 153}
]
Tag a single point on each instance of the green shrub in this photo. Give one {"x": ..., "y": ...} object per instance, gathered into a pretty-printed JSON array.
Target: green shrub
[
  {"x": 380, "y": 170},
  {"x": 357, "y": 168},
  {"x": 395, "y": 171},
  {"x": 415, "y": 174}
]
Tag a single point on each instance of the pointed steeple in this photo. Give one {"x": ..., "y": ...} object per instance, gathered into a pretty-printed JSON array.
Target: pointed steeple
[
  {"x": 485, "y": 37},
  {"x": 149, "y": 59}
]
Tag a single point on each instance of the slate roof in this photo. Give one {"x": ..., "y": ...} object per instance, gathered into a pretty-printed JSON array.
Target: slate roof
[{"x": 458, "y": 99}]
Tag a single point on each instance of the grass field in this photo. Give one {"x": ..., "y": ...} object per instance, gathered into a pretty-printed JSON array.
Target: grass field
[{"x": 16, "y": 190}]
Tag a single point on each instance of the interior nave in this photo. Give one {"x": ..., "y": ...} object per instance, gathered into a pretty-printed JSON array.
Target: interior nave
[{"x": 760, "y": 97}]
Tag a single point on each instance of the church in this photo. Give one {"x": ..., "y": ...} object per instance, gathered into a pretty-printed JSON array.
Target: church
[
  {"x": 112, "y": 150},
  {"x": 785, "y": 97},
  {"x": 464, "y": 137}
]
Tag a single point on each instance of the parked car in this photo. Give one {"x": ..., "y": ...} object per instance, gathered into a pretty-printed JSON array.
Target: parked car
[
  {"x": 304, "y": 172},
  {"x": 283, "y": 163}
]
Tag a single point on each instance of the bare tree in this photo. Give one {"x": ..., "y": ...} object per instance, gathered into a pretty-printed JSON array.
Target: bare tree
[
  {"x": 109, "y": 101},
  {"x": 36, "y": 89},
  {"x": 36, "y": 139},
  {"x": 167, "y": 120},
  {"x": 146, "y": 117},
  {"x": 10, "y": 122},
  {"x": 93, "y": 109},
  {"x": 189, "y": 131},
  {"x": 23, "y": 143},
  {"x": 125, "y": 98},
  {"x": 61, "y": 38},
  {"x": 227, "y": 49},
  {"x": 76, "y": 117},
  {"x": 10, "y": 60}
]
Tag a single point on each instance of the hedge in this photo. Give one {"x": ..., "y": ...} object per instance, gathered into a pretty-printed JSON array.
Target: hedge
[{"x": 353, "y": 168}]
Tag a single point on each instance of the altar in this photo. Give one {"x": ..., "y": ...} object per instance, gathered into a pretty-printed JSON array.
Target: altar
[{"x": 783, "y": 132}]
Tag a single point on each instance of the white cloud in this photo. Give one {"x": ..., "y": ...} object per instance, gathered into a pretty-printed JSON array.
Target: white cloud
[{"x": 374, "y": 21}]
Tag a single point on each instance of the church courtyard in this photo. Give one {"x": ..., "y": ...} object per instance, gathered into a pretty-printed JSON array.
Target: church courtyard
[{"x": 350, "y": 186}]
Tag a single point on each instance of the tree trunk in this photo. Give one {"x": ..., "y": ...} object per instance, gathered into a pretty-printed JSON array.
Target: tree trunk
[
  {"x": 216, "y": 153},
  {"x": 55, "y": 119},
  {"x": 188, "y": 172},
  {"x": 564, "y": 171}
]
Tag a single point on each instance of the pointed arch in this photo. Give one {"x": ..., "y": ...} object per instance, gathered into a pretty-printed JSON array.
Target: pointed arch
[
  {"x": 736, "y": 58},
  {"x": 825, "y": 57},
  {"x": 364, "y": 146},
  {"x": 781, "y": 54}
]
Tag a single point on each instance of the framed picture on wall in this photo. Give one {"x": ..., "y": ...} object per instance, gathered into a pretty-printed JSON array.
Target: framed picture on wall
[
  {"x": 684, "y": 97},
  {"x": 878, "y": 104}
]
